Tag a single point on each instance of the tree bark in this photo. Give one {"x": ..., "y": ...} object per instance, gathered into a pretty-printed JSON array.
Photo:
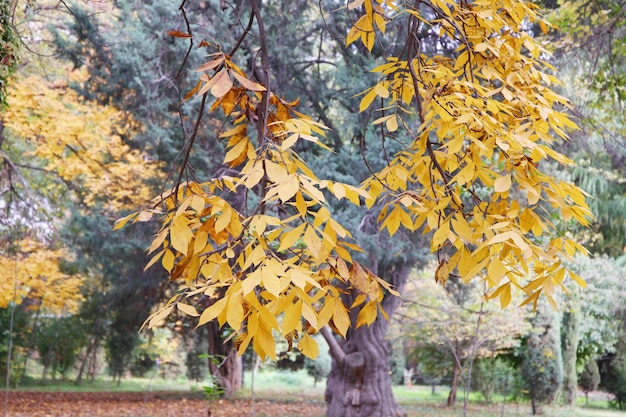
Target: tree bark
[
  {"x": 454, "y": 387},
  {"x": 359, "y": 384},
  {"x": 224, "y": 362}
]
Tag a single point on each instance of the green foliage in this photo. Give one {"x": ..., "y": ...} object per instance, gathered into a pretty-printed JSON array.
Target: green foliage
[
  {"x": 542, "y": 366},
  {"x": 318, "y": 368},
  {"x": 119, "y": 352},
  {"x": 570, "y": 333},
  {"x": 133, "y": 64},
  {"x": 213, "y": 390},
  {"x": 21, "y": 334},
  {"x": 591, "y": 51},
  {"x": 59, "y": 341},
  {"x": 615, "y": 382},
  {"x": 492, "y": 376},
  {"x": 589, "y": 379},
  {"x": 8, "y": 50},
  {"x": 196, "y": 363},
  {"x": 599, "y": 305}
]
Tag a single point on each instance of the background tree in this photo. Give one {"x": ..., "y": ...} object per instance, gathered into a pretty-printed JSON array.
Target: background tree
[
  {"x": 447, "y": 327},
  {"x": 570, "y": 333},
  {"x": 542, "y": 367},
  {"x": 615, "y": 381},
  {"x": 590, "y": 54},
  {"x": 8, "y": 49},
  {"x": 589, "y": 379}
]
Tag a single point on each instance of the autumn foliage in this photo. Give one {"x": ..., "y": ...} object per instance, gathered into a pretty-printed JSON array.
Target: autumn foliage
[{"x": 479, "y": 122}]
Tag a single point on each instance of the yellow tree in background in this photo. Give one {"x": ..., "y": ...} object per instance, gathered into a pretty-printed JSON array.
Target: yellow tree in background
[
  {"x": 34, "y": 274},
  {"x": 79, "y": 147},
  {"x": 79, "y": 142}
]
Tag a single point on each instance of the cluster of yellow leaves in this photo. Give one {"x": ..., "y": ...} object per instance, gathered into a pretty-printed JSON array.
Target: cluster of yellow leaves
[
  {"x": 487, "y": 121},
  {"x": 79, "y": 141},
  {"x": 289, "y": 259},
  {"x": 33, "y": 273}
]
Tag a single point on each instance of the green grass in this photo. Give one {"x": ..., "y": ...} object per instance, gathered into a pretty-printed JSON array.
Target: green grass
[
  {"x": 273, "y": 384},
  {"x": 107, "y": 385}
]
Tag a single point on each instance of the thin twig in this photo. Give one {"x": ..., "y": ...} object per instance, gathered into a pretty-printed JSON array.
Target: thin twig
[{"x": 190, "y": 143}]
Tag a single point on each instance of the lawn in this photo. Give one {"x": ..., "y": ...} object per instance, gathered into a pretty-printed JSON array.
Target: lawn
[{"x": 275, "y": 393}]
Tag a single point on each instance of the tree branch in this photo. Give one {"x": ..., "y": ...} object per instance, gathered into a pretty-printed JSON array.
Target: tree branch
[{"x": 335, "y": 349}]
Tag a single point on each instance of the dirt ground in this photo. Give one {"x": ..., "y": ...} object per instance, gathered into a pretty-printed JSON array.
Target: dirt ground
[{"x": 44, "y": 404}]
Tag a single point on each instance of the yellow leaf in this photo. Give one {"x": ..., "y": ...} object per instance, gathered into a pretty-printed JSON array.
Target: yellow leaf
[
  {"x": 168, "y": 260},
  {"x": 251, "y": 281},
  {"x": 211, "y": 312},
  {"x": 236, "y": 150},
  {"x": 327, "y": 311},
  {"x": 240, "y": 129},
  {"x": 289, "y": 238},
  {"x": 154, "y": 260},
  {"x": 291, "y": 318},
  {"x": 180, "y": 235},
  {"x": 119, "y": 223},
  {"x": 200, "y": 241},
  {"x": 367, "y": 315},
  {"x": 441, "y": 235},
  {"x": 312, "y": 241},
  {"x": 270, "y": 281},
  {"x": 505, "y": 296},
  {"x": 367, "y": 100},
  {"x": 234, "y": 311},
  {"x": 308, "y": 346},
  {"x": 221, "y": 83},
  {"x": 392, "y": 124},
  {"x": 341, "y": 320},
  {"x": 187, "y": 309},
  {"x": 502, "y": 184},
  {"x": 496, "y": 271},
  {"x": 301, "y": 204},
  {"x": 223, "y": 219},
  {"x": 246, "y": 338},
  {"x": 381, "y": 90},
  {"x": 159, "y": 316},
  {"x": 288, "y": 188},
  {"x": 264, "y": 342},
  {"x": 246, "y": 83}
]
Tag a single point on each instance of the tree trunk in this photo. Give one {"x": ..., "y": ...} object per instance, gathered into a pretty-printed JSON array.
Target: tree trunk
[
  {"x": 456, "y": 379},
  {"x": 359, "y": 384},
  {"x": 79, "y": 377},
  {"x": 224, "y": 362}
]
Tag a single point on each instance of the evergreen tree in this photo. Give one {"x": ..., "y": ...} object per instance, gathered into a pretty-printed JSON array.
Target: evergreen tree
[
  {"x": 542, "y": 367},
  {"x": 570, "y": 337},
  {"x": 589, "y": 379},
  {"x": 616, "y": 379}
]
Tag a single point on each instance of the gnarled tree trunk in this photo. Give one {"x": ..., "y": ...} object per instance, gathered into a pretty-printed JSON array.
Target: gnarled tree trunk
[{"x": 359, "y": 384}]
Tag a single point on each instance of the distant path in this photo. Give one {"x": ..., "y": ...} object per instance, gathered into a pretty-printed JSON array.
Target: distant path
[
  {"x": 602, "y": 413},
  {"x": 158, "y": 404}
]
